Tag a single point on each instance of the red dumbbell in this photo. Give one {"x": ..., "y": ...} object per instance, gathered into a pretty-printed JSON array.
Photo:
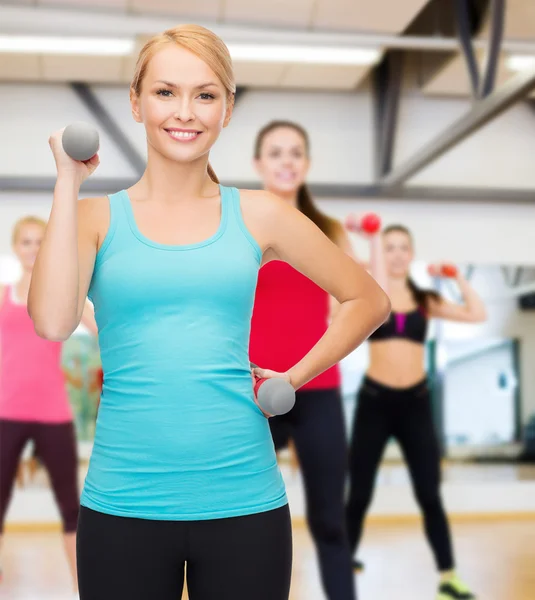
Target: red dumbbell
[
  {"x": 369, "y": 223},
  {"x": 442, "y": 270}
]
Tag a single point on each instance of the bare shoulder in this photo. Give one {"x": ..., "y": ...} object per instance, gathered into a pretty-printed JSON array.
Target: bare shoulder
[
  {"x": 259, "y": 203},
  {"x": 94, "y": 217},
  {"x": 339, "y": 232},
  {"x": 94, "y": 207},
  {"x": 261, "y": 211},
  {"x": 2, "y": 292}
]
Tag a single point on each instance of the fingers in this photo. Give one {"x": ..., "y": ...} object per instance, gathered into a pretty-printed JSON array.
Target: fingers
[{"x": 258, "y": 372}]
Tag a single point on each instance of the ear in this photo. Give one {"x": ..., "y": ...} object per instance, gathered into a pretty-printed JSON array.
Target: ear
[
  {"x": 256, "y": 165},
  {"x": 134, "y": 104},
  {"x": 229, "y": 111}
]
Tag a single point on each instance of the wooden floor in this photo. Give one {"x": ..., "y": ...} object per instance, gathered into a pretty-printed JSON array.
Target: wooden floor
[{"x": 496, "y": 558}]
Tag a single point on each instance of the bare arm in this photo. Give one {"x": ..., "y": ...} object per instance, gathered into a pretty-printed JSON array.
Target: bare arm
[
  {"x": 293, "y": 238},
  {"x": 377, "y": 261},
  {"x": 88, "y": 318},
  {"x": 64, "y": 265},
  {"x": 472, "y": 311},
  {"x": 376, "y": 266}
]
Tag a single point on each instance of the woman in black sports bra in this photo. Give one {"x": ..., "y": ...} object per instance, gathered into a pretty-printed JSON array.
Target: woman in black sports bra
[{"x": 394, "y": 401}]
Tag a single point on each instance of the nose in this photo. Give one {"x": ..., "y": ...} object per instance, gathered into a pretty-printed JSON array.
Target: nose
[{"x": 184, "y": 110}]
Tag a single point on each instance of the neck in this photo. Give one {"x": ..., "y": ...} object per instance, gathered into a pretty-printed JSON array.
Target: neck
[
  {"x": 23, "y": 287},
  {"x": 24, "y": 282},
  {"x": 289, "y": 197},
  {"x": 167, "y": 180},
  {"x": 398, "y": 284}
]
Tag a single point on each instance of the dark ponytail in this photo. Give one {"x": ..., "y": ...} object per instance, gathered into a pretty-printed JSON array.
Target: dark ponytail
[
  {"x": 305, "y": 202},
  {"x": 420, "y": 296},
  {"x": 306, "y": 205}
]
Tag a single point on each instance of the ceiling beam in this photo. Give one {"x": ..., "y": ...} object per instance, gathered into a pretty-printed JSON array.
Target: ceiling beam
[
  {"x": 465, "y": 28},
  {"x": 329, "y": 191},
  {"x": 497, "y": 24},
  {"x": 387, "y": 78},
  {"x": 480, "y": 114}
]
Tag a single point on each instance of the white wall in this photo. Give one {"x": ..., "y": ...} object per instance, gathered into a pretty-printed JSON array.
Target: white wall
[
  {"x": 341, "y": 128},
  {"x": 455, "y": 231},
  {"x": 29, "y": 114},
  {"x": 458, "y": 232},
  {"x": 498, "y": 155}
]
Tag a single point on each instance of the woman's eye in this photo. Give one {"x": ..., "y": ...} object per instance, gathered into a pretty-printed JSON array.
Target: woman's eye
[
  {"x": 164, "y": 93},
  {"x": 206, "y": 96}
]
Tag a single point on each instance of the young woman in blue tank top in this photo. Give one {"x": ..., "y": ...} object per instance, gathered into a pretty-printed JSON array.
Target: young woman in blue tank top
[
  {"x": 394, "y": 401},
  {"x": 183, "y": 469}
]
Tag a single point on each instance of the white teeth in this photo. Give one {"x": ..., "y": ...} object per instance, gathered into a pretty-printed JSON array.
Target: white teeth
[{"x": 183, "y": 135}]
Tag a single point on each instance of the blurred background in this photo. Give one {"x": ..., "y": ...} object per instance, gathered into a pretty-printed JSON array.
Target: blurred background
[{"x": 422, "y": 111}]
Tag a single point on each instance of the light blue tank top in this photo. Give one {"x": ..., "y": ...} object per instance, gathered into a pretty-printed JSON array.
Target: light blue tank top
[{"x": 178, "y": 434}]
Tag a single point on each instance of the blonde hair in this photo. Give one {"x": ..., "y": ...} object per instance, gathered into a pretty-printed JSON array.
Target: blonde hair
[
  {"x": 202, "y": 42},
  {"x": 30, "y": 220}
]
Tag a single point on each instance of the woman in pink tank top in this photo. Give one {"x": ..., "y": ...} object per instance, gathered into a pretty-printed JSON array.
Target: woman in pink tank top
[
  {"x": 290, "y": 315},
  {"x": 33, "y": 398}
]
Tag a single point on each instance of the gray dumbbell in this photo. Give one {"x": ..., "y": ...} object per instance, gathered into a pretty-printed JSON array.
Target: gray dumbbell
[
  {"x": 275, "y": 396},
  {"x": 80, "y": 140}
]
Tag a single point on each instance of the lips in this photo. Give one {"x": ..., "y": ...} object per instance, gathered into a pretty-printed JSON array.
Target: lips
[{"x": 288, "y": 177}]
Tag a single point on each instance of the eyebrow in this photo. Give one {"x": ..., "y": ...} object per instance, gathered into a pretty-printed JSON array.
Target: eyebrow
[
  {"x": 300, "y": 148},
  {"x": 198, "y": 87}
]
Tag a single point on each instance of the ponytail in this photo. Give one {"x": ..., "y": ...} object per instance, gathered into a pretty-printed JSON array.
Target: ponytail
[
  {"x": 306, "y": 205},
  {"x": 212, "y": 174},
  {"x": 421, "y": 297}
]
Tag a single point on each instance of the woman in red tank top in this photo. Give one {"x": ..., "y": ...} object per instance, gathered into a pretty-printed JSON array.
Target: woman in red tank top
[{"x": 290, "y": 315}]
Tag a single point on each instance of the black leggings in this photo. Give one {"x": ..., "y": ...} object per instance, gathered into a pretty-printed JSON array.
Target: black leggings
[
  {"x": 239, "y": 558},
  {"x": 316, "y": 425},
  {"x": 55, "y": 444},
  {"x": 404, "y": 414}
]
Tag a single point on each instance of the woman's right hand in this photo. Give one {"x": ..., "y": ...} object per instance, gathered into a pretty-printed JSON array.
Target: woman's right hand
[
  {"x": 67, "y": 166},
  {"x": 368, "y": 225},
  {"x": 443, "y": 270}
]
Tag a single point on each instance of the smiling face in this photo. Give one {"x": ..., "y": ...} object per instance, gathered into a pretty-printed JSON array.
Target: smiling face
[
  {"x": 182, "y": 104},
  {"x": 26, "y": 243},
  {"x": 282, "y": 160},
  {"x": 398, "y": 253}
]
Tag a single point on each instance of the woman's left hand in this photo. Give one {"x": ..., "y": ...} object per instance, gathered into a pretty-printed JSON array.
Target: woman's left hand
[
  {"x": 268, "y": 374},
  {"x": 258, "y": 373}
]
